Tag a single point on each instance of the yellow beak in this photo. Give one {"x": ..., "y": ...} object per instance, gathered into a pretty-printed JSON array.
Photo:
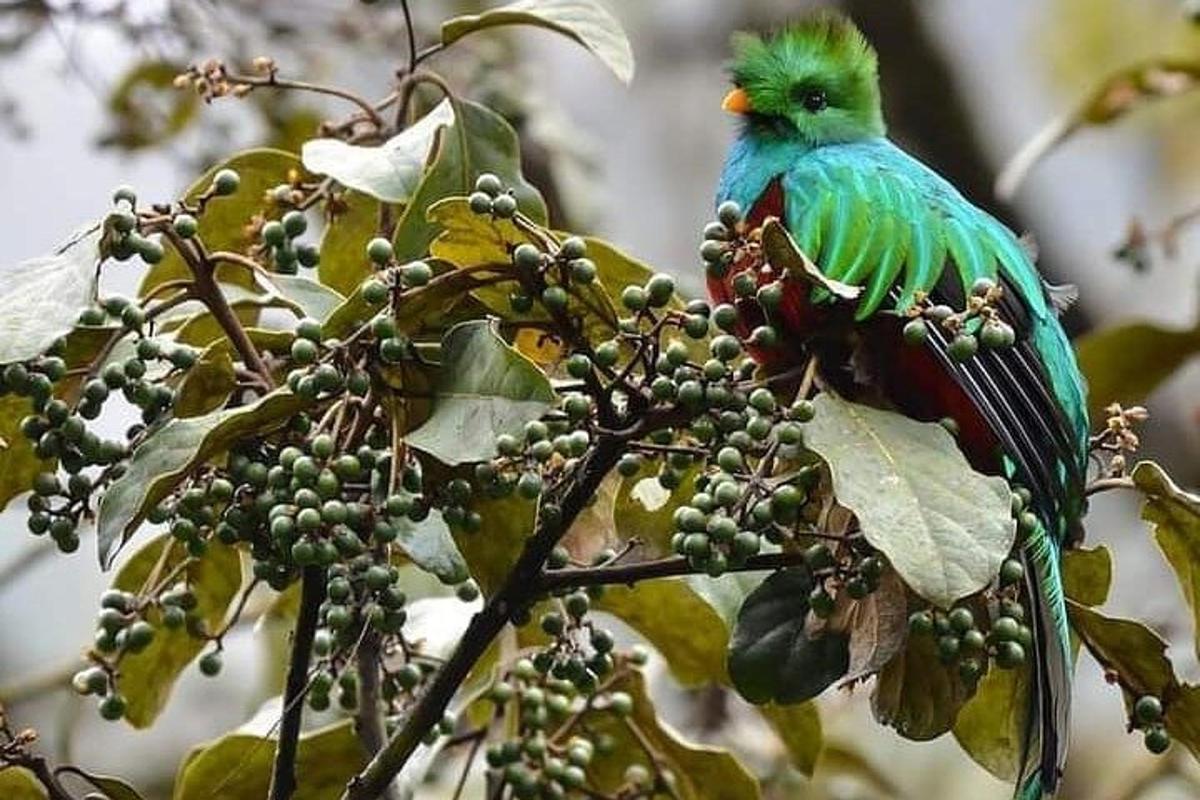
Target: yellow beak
[{"x": 736, "y": 102}]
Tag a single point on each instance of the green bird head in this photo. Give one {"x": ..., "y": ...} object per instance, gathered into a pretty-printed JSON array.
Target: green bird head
[{"x": 816, "y": 80}]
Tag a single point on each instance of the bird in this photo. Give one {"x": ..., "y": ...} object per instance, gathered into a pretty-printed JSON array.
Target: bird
[{"x": 812, "y": 151}]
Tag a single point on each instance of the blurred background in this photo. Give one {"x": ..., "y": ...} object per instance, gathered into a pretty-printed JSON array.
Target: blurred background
[{"x": 86, "y": 104}]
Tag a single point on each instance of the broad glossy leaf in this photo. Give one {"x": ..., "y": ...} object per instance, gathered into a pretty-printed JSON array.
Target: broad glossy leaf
[
  {"x": 491, "y": 146},
  {"x": 1125, "y": 364},
  {"x": 389, "y": 172},
  {"x": 771, "y": 656},
  {"x": 701, "y": 772},
  {"x": 431, "y": 547},
  {"x": 146, "y": 678},
  {"x": 238, "y": 766},
  {"x": 43, "y": 297},
  {"x": 585, "y": 21},
  {"x": 916, "y": 694},
  {"x": 944, "y": 527},
  {"x": 208, "y": 384},
  {"x": 344, "y": 264},
  {"x": 1087, "y": 575},
  {"x": 167, "y": 455},
  {"x": 18, "y": 783},
  {"x": 18, "y": 463},
  {"x": 485, "y": 389},
  {"x": 223, "y": 226},
  {"x": 685, "y": 629},
  {"x": 799, "y": 729}
]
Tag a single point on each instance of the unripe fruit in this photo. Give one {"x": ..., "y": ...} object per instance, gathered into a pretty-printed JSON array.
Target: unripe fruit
[{"x": 226, "y": 182}]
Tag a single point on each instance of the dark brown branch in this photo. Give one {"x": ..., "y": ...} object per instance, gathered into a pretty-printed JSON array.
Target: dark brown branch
[
  {"x": 517, "y": 593},
  {"x": 629, "y": 574},
  {"x": 368, "y": 718},
  {"x": 283, "y": 772}
]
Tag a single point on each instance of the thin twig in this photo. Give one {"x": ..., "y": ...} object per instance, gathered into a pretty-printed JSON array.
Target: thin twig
[{"x": 629, "y": 574}]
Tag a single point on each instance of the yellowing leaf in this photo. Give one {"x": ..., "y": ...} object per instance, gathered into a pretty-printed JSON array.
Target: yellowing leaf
[{"x": 146, "y": 678}]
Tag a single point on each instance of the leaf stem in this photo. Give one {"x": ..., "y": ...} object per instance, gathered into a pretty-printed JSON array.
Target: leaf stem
[{"x": 283, "y": 771}]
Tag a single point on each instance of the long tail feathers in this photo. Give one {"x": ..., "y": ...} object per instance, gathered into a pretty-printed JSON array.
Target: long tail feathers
[{"x": 1045, "y": 741}]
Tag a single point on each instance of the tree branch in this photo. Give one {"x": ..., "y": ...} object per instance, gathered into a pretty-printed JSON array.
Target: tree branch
[
  {"x": 368, "y": 719},
  {"x": 283, "y": 772},
  {"x": 629, "y": 574},
  {"x": 518, "y": 591}
]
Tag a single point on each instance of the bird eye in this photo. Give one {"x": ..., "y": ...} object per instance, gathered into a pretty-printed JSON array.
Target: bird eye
[{"x": 815, "y": 101}]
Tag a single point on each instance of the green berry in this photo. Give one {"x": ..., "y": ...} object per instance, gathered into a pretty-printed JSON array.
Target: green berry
[
  {"x": 380, "y": 250},
  {"x": 226, "y": 182},
  {"x": 504, "y": 206},
  {"x": 1157, "y": 740},
  {"x": 489, "y": 184},
  {"x": 1010, "y": 655},
  {"x": 1147, "y": 710},
  {"x": 963, "y": 347},
  {"x": 1011, "y": 572},
  {"x": 916, "y": 331},
  {"x": 185, "y": 225},
  {"x": 211, "y": 663}
]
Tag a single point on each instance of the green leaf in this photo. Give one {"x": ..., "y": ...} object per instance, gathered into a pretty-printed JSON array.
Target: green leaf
[
  {"x": 344, "y": 264},
  {"x": 771, "y": 656},
  {"x": 645, "y": 509},
  {"x": 485, "y": 389},
  {"x": 208, "y": 384},
  {"x": 916, "y": 694},
  {"x": 1087, "y": 575},
  {"x": 389, "y": 172},
  {"x": 146, "y": 106},
  {"x": 18, "y": 783},
  {"x": 585, "y": 21},
  {"x": 944, "y": 527},
  {"x": 1139, "y": 656},
  {"x": 170, "y": 453},
  {"x": 991, "y": 726},
  {"x": 431, "y": 547},
  {"x": 1126, "y": 363},
  {"x": 1175, "y": 515},
  {"x": 223, "y": 226},
  {"x": 146, "y": 678},
  {"x": 238, "y": 766},
  {"x": 695, "y": 651},
  {"x": 43, "y": 297},
  {"x": 491, "y": 146},
  {"x": 701, "y": 772},
  {"x": 799, "y": 728},
  {"x": 310, "y": 298},
  {"x": 18, "y": 463},
  {"x": 115, "y": 788},
  {"x": 469, "y": 240},
  {"x": 491, "y": 553},
  {"x": 783, "y": 253},
  {"x": 1117, "y": 95}
]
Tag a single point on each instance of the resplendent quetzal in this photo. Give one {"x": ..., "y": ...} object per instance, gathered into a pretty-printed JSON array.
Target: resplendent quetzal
[{"x": 812, "y": 151}]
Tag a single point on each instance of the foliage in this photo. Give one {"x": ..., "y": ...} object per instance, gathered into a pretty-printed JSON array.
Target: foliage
[{"x": 374, "y": 375}]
